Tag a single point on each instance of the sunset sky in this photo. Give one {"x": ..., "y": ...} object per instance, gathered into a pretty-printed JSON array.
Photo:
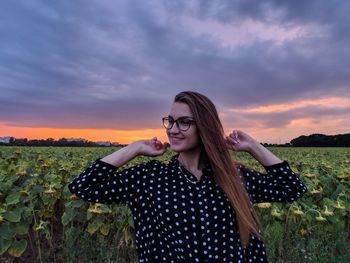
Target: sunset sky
[{"x": 109, "y": 70}]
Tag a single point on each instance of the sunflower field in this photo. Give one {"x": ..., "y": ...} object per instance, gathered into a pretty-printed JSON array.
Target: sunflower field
[{"x": 41, "y": 221}]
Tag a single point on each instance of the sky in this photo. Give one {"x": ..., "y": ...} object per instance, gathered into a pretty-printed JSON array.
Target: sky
[{"x": 109, "y": 70}]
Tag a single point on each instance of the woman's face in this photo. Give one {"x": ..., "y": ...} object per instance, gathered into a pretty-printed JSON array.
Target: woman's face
[{"x": 181, "y": 141}]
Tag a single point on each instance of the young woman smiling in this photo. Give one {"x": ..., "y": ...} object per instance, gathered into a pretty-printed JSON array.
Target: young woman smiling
[{"x": 198, "y": 207}]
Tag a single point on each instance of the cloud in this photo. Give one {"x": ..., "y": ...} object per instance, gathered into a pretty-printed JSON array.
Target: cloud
[
  {"x": 244, "y": 32},
  {"x": 282, "y": 115},
  {"x": 118, "y": 64}
]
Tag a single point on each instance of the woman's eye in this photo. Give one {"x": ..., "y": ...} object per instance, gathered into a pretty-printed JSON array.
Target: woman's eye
[{"x": 185, "y": 122}]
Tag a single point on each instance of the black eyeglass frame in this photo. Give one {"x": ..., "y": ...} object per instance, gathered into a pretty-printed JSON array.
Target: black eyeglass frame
[{"x": 191, "y": 121}]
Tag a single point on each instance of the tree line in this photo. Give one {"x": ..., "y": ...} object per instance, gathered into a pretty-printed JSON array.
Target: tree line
[
  {"x": 61, "y": 142},
  {"x": 313, "y": 140},
  {"x": 321, "y": 140}
]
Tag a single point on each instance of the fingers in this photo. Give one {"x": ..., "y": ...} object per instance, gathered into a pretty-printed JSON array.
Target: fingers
[
  {"x": 232, "y": 143},
  {"x": 154, "y": 141},
  {"x": 161, "y": 149},
  {"x": 233, "y": 139},
  {"x": 157, "y": 144},
  {"x": 234, "y": 134}
]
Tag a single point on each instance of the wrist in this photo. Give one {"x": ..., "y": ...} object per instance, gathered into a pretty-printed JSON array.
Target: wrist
[
  {"x": 254, "y": 147},
  {"x": 263, "y": 155},
  {"x": 133, "y": 149}
]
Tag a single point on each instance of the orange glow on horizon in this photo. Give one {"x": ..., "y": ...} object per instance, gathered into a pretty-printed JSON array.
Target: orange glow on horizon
[
  {"x": 258, "y": 130},
  {"x": 123, "y": 137}
]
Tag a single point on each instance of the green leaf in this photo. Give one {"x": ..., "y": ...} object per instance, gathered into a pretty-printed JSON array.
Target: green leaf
[
  {"x": 105, "y": 208},
  {"x": 17, "y": 248},
  {"x": 131, "y": 221},
  {"x": 67, "y": 217},
  {"x": 27, "y": 213},
  {"x": 7, "y": 231},
  {"x": 4, "y": 245},
  {"x": 7, "y": 185},
  {"x": 89, "y": 215},
  {"x": 77, "y": 203},
  {"x": 92, "y": 227},
  {"x": 13, "y": 198},
  {"x": 22, "y": 228},
  {"x": 339, "y": 189},
  {"x": 99, "y": 220},
  {"x": 104, "y": 229},
  {"x": 13, "y": 216},
  {"x": 72, "y": 233}
]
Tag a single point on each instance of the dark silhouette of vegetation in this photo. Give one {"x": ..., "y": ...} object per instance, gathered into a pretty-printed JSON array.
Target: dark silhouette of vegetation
[
  {"x": 276, "y": 145},
  {"x": 321, "y": 140},
  {"x": 61, "y": 142},
  {"x": 313, "y": 140}
]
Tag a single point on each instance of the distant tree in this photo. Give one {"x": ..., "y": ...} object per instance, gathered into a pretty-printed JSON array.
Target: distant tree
[{"x": 321, "y": 140}]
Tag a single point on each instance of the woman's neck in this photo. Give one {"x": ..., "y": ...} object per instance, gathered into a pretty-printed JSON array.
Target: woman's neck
[{"x": 191, "y": 160}]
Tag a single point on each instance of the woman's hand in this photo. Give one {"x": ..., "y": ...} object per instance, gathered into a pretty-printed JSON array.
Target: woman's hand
[
  {"x": 151, "y": 147},
  {"x": 240, "y": 141},
  {"x": 120, "y": 157}
]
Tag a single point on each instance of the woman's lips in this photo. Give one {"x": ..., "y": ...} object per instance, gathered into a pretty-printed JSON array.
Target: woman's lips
[{"x": 175, "y": 139}]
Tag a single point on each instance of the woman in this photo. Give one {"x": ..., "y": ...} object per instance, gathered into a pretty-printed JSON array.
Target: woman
[{"x": 198, "y": 207}]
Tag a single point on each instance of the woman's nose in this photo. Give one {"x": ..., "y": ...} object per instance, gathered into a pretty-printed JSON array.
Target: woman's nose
[{"x": 173, "y": 130}]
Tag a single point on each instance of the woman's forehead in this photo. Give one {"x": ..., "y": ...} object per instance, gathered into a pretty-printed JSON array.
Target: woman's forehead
[{"x": 179, "y": 109}]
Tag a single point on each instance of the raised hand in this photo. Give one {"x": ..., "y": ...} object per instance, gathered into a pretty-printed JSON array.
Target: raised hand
[
  {"x": 120, "y": 157},
  {"x": 240, "y": 141},
  {"x": 152, "y": 147}
]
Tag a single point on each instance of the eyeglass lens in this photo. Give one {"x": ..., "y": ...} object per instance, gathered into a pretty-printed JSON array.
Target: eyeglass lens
[{"x": 182, "y": 124}]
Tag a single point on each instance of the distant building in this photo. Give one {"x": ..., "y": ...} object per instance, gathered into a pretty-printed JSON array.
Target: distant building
[{"x": 7, "y": 139}]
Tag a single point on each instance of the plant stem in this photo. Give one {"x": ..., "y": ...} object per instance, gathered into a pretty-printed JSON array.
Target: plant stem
[
  {"x": 285, "y": 235},
  {"x": 37, "y": 234}
]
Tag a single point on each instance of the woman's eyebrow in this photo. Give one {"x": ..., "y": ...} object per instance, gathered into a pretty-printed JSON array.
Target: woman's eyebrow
[{"x": 181, "y": 117}]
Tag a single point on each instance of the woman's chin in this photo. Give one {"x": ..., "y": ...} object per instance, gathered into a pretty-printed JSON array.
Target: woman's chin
[
  {"x": 176, "y": 148},
  {"x": 179, "y": 149}
]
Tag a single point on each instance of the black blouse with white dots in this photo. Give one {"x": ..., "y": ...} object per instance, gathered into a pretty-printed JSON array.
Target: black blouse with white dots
[{"x": 178, "y": 221}]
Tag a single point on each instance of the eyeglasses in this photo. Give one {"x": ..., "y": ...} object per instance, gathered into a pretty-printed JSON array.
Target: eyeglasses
[{"x": 182, "y": 123}]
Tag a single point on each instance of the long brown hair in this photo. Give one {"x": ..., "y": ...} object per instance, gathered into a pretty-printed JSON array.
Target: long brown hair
[{"x": 224, "y": 166}]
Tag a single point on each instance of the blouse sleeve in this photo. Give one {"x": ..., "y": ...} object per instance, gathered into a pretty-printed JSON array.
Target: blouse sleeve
[
  {"x": 101, "y": 182},
  {"x": 278, "y": 184}
]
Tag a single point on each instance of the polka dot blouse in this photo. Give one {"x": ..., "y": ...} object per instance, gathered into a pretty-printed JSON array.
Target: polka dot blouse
[{"x": 178, "y": 221}]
